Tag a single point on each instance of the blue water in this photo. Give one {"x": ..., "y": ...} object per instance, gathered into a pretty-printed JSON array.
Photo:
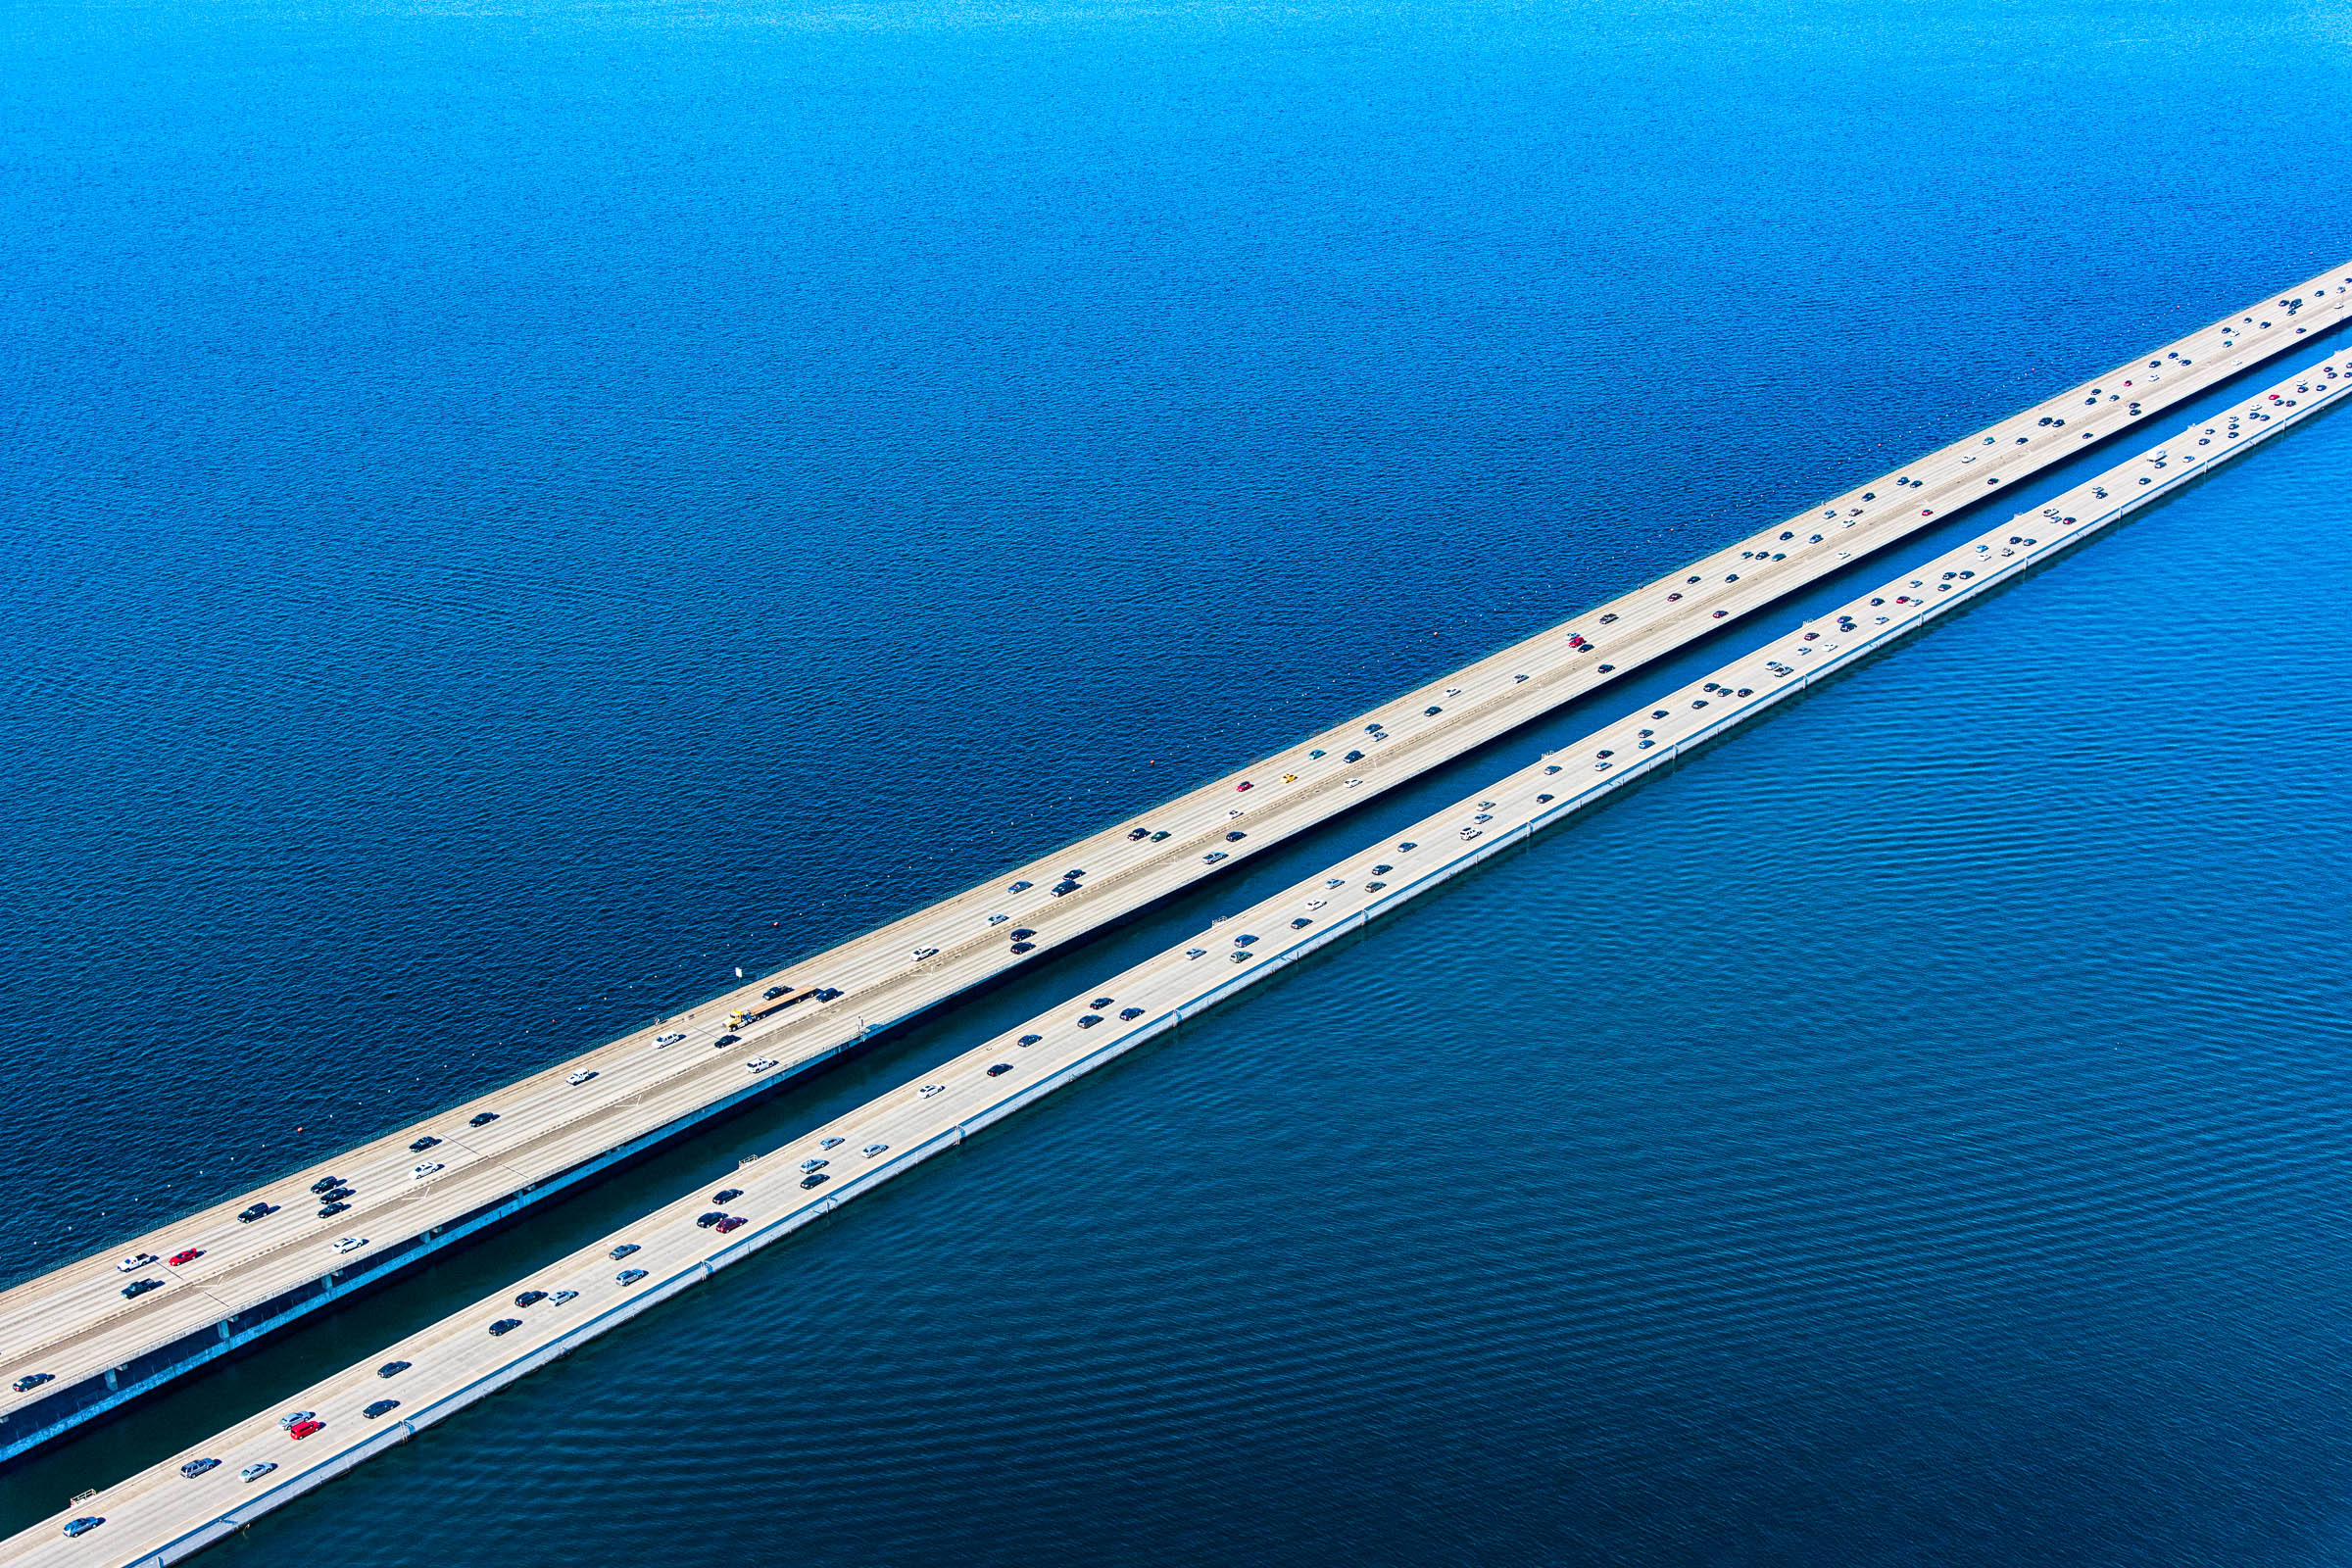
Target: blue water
[{"x": 513, "y": 510}]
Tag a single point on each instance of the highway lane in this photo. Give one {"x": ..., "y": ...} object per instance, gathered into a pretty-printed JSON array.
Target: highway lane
[
  {"x": 73, "y": 1327},
  {"x": 161, "y": 1514}
]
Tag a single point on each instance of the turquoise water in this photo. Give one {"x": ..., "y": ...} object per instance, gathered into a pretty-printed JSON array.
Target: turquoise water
[{"x": 515, "y": 511}]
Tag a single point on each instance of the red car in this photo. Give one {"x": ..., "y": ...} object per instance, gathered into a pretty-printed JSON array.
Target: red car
[
  {"x": 1242, "y": 786},
  {"x": 190, "y": 1256},
  {"x": 732, "y": 1222},
  {"x": 303, "y": 1429}
]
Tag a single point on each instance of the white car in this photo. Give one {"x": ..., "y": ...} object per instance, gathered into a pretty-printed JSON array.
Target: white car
[
  {"x": 580, "y": 1077},
  {"x": 1453, "y": 691},
  {"x": 347, "y": 1244},
  {"x": 759, "y": 1064},
  {"x": 871, "y": 1150},
  {"x": 928, "y": 1090},
  {"x": 920, "y": 954},
  {"x": 1317, "y": 903},
  {"x": 140, "y": 1260},
  {"x": 424, "y": 1170},
  {"x": 1469, "y": 833},
  {"x": 1354, "y": 782},
  {"x": 671, "y": 1038}
]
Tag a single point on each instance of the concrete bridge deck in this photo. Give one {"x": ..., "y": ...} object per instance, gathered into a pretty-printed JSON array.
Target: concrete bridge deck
[
  {"x": 97, "y": 1349},
  {"x": 162, "y": 1514}
]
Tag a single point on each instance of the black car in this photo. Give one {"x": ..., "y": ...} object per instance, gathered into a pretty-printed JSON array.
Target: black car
[
  {"x": 139, "y": 1288},
  {"x": 196, "y": 1467},
  {"x": 393, "y": 1369},
  {"x": 725, "y": 1041},
  {"x": 380, "y": 1407},
  {"x": 1074, "y": 873},
  {"x": 1161, "y": 834},
  {"x": 326, "y": 1184},
  {"x": 482, "y": 1119},
  {"x": 705, "y": 1221},
  {"x": 1235, "y": 836},
  {"x": 504, "y": 1325},
  {"x": 332, "y": 1209},
  {"x": 1087, "y": 1022},
  {"x": 622, "y": 1251},
  {"x": 1353, "y": 757},
  {"x": 1431, "y": 712},
  {"x": 827, "y": 994},
  {"x": 774, "y": 992},
  {"x": 726, "y": 1195},
  {"x": 1100, "y": 1002},
  {"x": 1064, "y": 888},
  {"x": 1029, "y": 1040},
  {"x": 32, "y": 1380},
  {"x": 1139, "y": 833},
  {"x": 1022, "y": 934},
  {"x": 337, "y": 1195},
  {"x": 1131, "y": 1013},
  {"x": 1406, "y": 849},
  {"x": 247, "y": 1216},
  {"x": 1302, "y": 923},
  {"x": 1024, "y": 947},
  {"x": 815, "y": 1177},
  {"x": 421, "y": 1144},
  {"x": 530, "y": 1299},
  {"x": 999, "y": 1069},
  {"x": 1381, "y": 870}
]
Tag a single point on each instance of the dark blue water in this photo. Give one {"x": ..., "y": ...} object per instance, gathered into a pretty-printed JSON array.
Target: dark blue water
[{"x": 514, "y": 510}]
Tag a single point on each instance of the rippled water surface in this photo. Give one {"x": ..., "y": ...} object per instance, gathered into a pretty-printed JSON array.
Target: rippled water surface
[{"x": 513, "y": 510}]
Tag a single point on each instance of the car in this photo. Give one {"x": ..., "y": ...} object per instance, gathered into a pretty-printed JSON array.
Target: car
[
  {"x": 1374, "y": 887},
  {"x": 732, "y": 1222},
  {"x": 1469, "y": 833},
  {"x": 628, "y": 1276},
  {"x": 706, "y": 1220},
  {"x": 1212, "y": 856},
  {"x": 1311, "y": 756},
  {"x": 1245, "y": 785},
  {"x": 1317, "y": 903},
  {"x": 331, "y": 1211},
  {"x": 928, "y": 1090},
  {"x": 726, "y": 1195},
  {"x": 393, "y": 1369},
  {"x": 1406, "y": 849},
  {"x": 482, "y": 1119},
  {"x": 1196, "y": 952},
  {"x": 31, "y": 1381},
  {"x": 999, "y": 1069},
  {"x": 1302, "y": 923},
  {"x": 1022, "y": 934},
  {"x": 326, "y": 1184},
  {"x": 294, "y": 1418},
  {"x": 184, "y": 1257},
  {"x": 1484, "y": 816},
  {"x": 1024, "y": 947},
  {"x": 830, "y": 1143},
  {"x": 999, "y": 919},
  {"x": 1235, "y": 836},
  {"x": 347, "y": 1244},
  {"x": 1141, "y": 832},
  {"x": 530, "y": 1298},
  {"x": 815, "y": 1177},
  {"x": 581, "y": 1077},
  {"x": 1161, "y": 834},
  {"x": 759, "y": 1064},
  {"x": 623, "y": 1250},
  {"x": 1353, "y": 757},
  {"x": 774, "y": 992},
  {"x": 196, "y": 1467},
  {"x": 1020, "y": 886},
  {"x": 561, "y": 1297},
  {"x": 424, "y": 1144},
  {"x": 725, "y": 1041},
  {"x": 1241, "y": 957},
  {"x": 871, "y": 1150},
  {"x": 504, "y": 1326},
  {"x": 1061, "y": 890},
  {"x": 380, "y": 1407},
  {"x": 1102, "y": 1001},
  {"x": 670, "y": 1039},
  {"x": 920, "y": 954},
  {"x": 303, "y": 1429},
  {"x": 1431, "y": 712},
  {"x": 83, "y": 1525},
  {"x": 139, "y": 1288},
  {"x": 1090, "y": 1020},
  {"x": 1381, "y": 870},
  {"x": 254, "y": 1211},
  {"x": 419, "y": 1173},
  {"x": 1244, "y": 939},
  {"x": 338, "y": 1194},
  {"x": 1290, "y": 778},
  {"x": 136, "y": 1261},
  {"x": 255, "y": 1472}
]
